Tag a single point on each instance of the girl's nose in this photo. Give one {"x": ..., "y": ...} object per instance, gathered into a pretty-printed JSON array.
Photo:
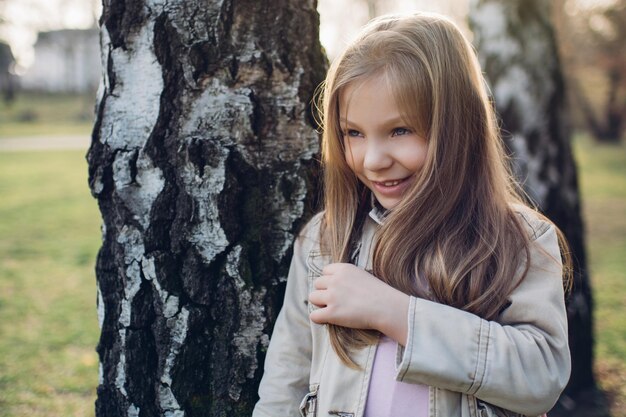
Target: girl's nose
[{"x": 377, "y": 156}]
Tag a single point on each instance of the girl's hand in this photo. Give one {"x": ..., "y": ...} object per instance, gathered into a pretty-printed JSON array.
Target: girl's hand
[{"x": 351, "y": 297}]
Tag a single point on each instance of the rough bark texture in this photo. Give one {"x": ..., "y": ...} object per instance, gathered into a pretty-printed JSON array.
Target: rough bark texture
[
  {"x": 201, "y": 160},
  {"x": 517, "y": 48}
]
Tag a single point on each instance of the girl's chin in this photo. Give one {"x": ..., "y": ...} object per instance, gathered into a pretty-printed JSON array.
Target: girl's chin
[
  {"x": 389, "y": 197},
  {"x": 387, "y": 203}
]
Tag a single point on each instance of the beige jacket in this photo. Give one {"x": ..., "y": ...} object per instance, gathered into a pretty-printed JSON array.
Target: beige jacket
[{"x": 520, "y": 362}]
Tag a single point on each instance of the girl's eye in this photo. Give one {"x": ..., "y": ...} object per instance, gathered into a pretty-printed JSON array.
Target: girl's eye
[
  {"x": 398, "y": 131},
  {"x": 353, "y": 133}
]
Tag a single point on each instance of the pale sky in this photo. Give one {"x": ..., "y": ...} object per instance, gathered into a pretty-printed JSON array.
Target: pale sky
[{"x": 340, "y": 20}]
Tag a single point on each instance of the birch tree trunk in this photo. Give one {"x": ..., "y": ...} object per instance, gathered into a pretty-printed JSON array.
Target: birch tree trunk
[
  {"x": 202, "y": 161},
  {"x": 517, "y": 48}
]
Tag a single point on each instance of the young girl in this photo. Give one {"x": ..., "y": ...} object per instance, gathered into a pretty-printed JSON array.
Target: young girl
[{"x": 426, "y": 287}]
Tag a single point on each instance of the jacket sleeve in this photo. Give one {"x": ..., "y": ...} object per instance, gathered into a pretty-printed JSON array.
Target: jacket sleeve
[
  {"x": 288, "y": 361},
  {"x": 520, "y": 363}
]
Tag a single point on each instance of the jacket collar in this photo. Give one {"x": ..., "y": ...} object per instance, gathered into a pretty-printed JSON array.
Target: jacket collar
[{"x": 378, "y": 213}]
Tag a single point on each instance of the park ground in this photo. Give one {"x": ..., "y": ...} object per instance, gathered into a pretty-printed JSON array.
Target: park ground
[{"x": 50, "y": 235}]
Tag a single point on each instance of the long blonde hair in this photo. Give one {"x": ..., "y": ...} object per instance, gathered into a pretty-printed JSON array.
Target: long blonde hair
[{"x": 466, "y": 242}]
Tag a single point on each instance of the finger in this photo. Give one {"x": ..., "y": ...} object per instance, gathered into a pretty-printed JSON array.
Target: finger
[
  {"x": 321, "y": 283},
  {"x": 318, "y": 316},
  {"x": 330, "y": 269},
  {"x": 318, "y": 298}
]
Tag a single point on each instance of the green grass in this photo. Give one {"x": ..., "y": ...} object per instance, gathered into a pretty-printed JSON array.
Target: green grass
[
  {"x": 49, "y": 236},
  {"x": 602, "y": 173},
  {"x": 32, "y": 114}
]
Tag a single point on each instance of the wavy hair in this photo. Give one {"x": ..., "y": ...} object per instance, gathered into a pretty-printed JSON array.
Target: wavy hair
[{"x": 466, "y": 242}]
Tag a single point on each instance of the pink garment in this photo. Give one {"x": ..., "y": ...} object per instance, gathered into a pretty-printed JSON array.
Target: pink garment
[{"x": 386, "y": 396}]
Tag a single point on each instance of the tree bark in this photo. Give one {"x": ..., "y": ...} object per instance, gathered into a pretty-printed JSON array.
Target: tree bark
[
  {"x": 203, "y": 164},
  {"x": 518, "y": 52}
]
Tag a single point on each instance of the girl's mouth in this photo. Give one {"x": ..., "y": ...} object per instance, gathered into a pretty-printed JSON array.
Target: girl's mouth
[
  {"x": 391, "y": 188},
  {"x": 390, "y": 183}
]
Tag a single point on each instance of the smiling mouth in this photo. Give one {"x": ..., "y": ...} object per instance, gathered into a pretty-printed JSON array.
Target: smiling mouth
[{"x": 391, "y": 183}]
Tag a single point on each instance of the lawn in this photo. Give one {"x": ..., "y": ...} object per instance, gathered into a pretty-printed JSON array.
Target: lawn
[
  {"x": 49, "y": 237},
  {"x": 32, "y": 114},
  {"x": 602, "y": 171}
]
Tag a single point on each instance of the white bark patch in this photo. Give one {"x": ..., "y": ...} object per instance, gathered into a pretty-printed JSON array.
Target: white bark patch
[
  {"x": 149, "y": 269},
  {"x": 207, "y": 234},
  {"x": 139, "y": 193},
  {"x": 515, "y": 86},
  {"x": 133, "y": 283},
  {"x": 103, "y": 88},
  {"x": 168, "y": 402},
  {"x": 250, "y": 331},
  {"x": 291, "y": 211},
  {"x": 154, "y": 4},
  {"x": 105, "y": 46},
  {"x": 169, "y": 303},
  {"x": 133, "y": 411},
  {"x": 133, "y": 104},
  {"x": 491, "y": 18},
  {"x": 177, "y": 324},
  {"x": 527, "y": 168},
  {"x": 100, "y": 307},
  {"x": 98, "y": 184},
  {"x": 120, "y": 370},
  {"x": 178, "y": 329},
  {"x": 525, "y": 85},
  {"x": 132, "y": 241},
  {"x": 250, "y": 51},
  {"x": 223, "y": 115},
  {"x": 251, "y": 324},
  {"x": 223, "y": 112},
  {"x": 150, "y": 181},
  {"x": 232, "y": 266}
]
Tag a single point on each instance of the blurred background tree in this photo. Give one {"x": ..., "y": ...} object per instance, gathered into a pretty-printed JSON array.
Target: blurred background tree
[
  {"x": 8, "y": 82},
  {"x": 518, "y": 51},
  {"x": 592, "y": 41}
]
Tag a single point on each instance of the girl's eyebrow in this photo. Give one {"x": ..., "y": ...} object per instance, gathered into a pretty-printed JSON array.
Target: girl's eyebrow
[
  {"x": 343, "y": 122},
  {"x": 394, "y": 121}
]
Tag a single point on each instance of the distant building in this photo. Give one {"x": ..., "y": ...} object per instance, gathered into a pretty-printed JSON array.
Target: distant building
[{"x": 66, "y": 60}]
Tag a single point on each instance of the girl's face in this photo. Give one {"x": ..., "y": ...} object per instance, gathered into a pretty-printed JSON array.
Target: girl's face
[{"x": 379, "y": 146}]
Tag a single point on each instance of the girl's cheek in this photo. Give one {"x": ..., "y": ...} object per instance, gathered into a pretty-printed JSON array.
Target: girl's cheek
[{"x": 349, "y": 156}]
